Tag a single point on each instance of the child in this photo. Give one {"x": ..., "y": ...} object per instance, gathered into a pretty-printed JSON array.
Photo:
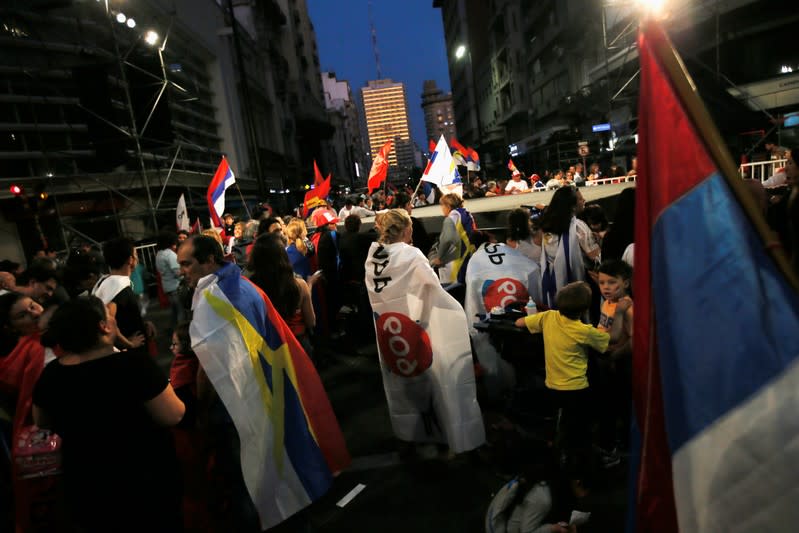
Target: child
[
  {"x": 616, "y": 318},
  {"x": 565, "y": 343}
]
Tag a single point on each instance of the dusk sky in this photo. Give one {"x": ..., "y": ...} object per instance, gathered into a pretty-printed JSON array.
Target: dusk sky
[{"x": 410, "y": 39}]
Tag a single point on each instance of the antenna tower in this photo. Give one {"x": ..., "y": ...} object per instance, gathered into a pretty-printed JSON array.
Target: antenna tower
[{"x": 374, "y": 41}]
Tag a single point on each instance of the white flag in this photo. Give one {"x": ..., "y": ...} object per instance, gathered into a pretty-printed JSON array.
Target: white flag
[
  {"x": 425, "y": 355},
  {"x": 441, "y": 168},
  {"x": 181, "y": 215}
]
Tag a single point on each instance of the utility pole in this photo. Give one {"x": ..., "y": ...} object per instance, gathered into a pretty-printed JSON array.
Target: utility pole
[{"x": 374, "y": 42}]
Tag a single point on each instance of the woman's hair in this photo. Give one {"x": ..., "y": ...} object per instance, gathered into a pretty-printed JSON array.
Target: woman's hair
[
  {"x": 391, "y": 225},
  {"x": 296, "y": 232},
  {"x": 74, "y": 325},
  {"x": 184, "y": 339},
  {"x": 451, "y": 200},
  {"x": 558, "y": 214},
  {"x": 213, "y": 234},
  {"x": 271, "y": 271},
  {"x": 519, "y": 224},
  {"x": 622, "y": 231}
]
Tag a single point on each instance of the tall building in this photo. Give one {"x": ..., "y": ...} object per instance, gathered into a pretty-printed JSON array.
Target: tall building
[
  {"x": 439, "y": 115},
  {"x": 345, "y": 155},
  {"x": 386, "y": 114}
]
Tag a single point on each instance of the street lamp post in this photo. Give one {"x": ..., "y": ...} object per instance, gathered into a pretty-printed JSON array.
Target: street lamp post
[{"x": 460, "y": 52}]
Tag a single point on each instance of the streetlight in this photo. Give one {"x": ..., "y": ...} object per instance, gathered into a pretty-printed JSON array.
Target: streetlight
[
  {"x": 151, "y": 38},
  {"x": 460, "y": 52}
]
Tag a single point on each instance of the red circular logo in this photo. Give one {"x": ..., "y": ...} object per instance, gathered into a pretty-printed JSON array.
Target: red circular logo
[
  {"x": 504, "y": 292},
  {"x": 404, "y": 345}
]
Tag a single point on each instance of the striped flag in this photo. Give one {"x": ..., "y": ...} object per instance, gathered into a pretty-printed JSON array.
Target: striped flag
[
  {"x": 291, "y": 444},
  {"x": 716, "y": 350},
  {"x": 223, "y": 178},
  {"x": 441, "y": 169}
]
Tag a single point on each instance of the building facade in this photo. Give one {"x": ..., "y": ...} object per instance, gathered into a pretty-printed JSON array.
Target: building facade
[
  {"x": 531, "y": 77},
  {"x": 439, "y": 115},
  {"x": 385, "y": 111},
  {"x": 82, "y": 125},
  {"x": 345, "y": 149}
]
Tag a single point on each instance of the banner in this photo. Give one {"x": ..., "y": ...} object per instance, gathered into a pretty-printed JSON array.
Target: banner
[
  {"x": 423, "y": 345},
  {"x": 291, "y": 444},
  {"x": 319, "y": 192},
  {"x": 717, "y": 335}
]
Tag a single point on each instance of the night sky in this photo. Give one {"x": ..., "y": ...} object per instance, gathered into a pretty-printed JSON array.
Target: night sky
[{"x": 410, "y": 39}]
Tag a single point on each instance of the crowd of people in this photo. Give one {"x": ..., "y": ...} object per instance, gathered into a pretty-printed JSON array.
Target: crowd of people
[{"x": 99, "y": 433}]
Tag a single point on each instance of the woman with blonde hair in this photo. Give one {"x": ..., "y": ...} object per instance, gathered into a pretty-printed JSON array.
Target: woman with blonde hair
[
  {"x": 422, "y": 342},
  {"x": 454, "y": 247},
  {"x": 297, "y": 250}
]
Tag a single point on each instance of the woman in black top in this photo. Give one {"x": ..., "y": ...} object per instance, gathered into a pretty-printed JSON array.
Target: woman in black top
[{"x": 111, "y": 410}]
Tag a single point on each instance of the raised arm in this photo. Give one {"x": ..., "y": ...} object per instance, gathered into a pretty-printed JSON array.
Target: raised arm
[{"x": 166, "y": 409}]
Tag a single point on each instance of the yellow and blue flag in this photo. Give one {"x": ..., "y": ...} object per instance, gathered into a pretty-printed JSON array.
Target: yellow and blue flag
[{"x": 291, "y": 443}]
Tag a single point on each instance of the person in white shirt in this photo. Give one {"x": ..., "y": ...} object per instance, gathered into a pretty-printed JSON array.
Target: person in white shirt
[
  {"x": 517, "y": 185},
  {"x": 347, "y": 209}
]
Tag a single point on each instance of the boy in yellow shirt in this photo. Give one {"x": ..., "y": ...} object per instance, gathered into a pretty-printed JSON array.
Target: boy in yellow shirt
[{"x": 566, "y": 361}]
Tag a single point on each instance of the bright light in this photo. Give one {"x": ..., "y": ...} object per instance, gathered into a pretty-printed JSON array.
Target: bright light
[
  {"x": 151, "y": 37},
  {"x": 131, "y": 23},
  {"x": 460, "y": 52},
  {"x": 785, "y": 69},
  {"x": 49, "y": 174},
  {"x": 121, "y": 18},
  {"x": 653, "y": 6}
]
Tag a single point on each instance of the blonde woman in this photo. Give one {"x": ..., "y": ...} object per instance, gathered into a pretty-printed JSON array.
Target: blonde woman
[
  {"x": 297, "y": 250},
  {"x": 454, "y": 245},
  {"x": 422, "y": 341}
]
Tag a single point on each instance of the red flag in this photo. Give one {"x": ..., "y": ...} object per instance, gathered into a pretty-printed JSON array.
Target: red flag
[
  {"x": 317, "y": 176},
  {"x": 473, "y": 155},
  {"x": 379, "y": 167},
  {"x": 432, "y": 146},
  {"x": 196, "y": 227},
  {"x": 511, "y": 166},
  {"x": 453, "y": 143},
  {"x": 320, "y": 190}
]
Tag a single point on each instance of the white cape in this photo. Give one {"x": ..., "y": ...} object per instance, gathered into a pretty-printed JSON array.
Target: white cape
[
  {"x": 498, "y": 275},
  {"x": 425, "y": 355}
]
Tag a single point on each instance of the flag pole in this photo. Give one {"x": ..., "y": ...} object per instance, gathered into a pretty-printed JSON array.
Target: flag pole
[
  {"x": 247, "y": 209},
  {"x": 697, "y": 111},
  {"x": 416, "y": 190}
]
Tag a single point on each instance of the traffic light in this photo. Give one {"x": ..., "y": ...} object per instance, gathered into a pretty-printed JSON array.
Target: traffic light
[{"x": 16, "y": 190}]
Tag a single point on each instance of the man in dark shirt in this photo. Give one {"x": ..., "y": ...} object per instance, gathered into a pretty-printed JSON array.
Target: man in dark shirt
[{"x": 115, "y": 291}]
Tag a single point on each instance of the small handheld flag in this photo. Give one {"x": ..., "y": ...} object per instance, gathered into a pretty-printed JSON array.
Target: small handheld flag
[
  {"x": 223, "y": 178},
  {"x": 379, "y": 167}
]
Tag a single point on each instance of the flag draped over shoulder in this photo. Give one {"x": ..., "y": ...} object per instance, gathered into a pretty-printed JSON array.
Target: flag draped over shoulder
[
  {"x": 498, "y": 275},
  {"x": 182, "y": 215},
  {"x": 716, "y": 379},
  {"x": 319, "y": 192},
  {"x": 291, "y": 444},
  {"x": 379, "y": 169},
  {"x": 424, "y": 350},
  {"x": 223, "y": 178}
]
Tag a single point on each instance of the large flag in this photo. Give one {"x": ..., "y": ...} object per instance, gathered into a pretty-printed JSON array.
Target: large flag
[
  {"x": 424, "y": 350},
  {"x": 320, "y": 191},
  {"x": 512, "y": 166},
  {"x": 716, "y": 349},
  {"x": 291, "y": 444},
  {"x": 441, "y": 169},
  {"x": 181, "y": 215},
  {"x": 472, "y": 159},
  {"x": 498, "y": 275},
  {"x": 223, "y": 178},
  {"x": 379, "y": 169}
]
